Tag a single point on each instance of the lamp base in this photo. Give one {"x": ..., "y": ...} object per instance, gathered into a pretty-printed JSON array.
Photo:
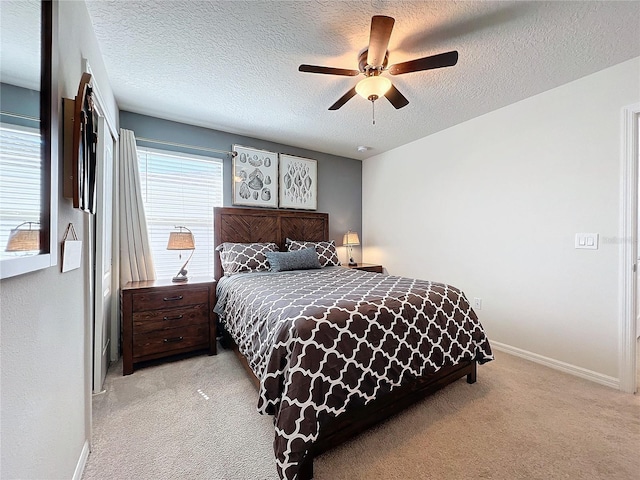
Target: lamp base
[
  {"x": 352, "y": 263},
  {"x": 180, "y": 279}
]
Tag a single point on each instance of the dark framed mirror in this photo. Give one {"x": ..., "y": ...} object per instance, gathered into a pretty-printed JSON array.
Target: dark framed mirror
[{"x": 29, "y": 144}]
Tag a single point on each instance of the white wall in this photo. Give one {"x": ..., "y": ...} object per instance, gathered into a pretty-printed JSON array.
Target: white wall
[
  {"x": 492, "y": 206},
  {"x": 45, "y": 338}
]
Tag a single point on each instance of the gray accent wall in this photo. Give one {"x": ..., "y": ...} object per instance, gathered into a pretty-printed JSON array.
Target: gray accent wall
[{"x": 339, "y": 178}]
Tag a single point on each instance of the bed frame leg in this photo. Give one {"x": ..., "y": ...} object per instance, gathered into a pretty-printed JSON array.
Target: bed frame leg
[
  {"x": 471, "y": 376},
  {"x": 305, "y": 472}
]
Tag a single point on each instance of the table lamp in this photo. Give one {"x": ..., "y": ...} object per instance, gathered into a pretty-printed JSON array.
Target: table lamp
[
  {"x": 349, "y": 240},
  {"x": 182, "y": 240}
]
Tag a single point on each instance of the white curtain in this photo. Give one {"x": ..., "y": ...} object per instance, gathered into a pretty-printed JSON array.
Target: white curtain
[{"x": 136, "y": 260}]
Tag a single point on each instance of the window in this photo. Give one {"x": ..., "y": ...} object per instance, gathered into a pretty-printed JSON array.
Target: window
[
  {"x": 20, "y": 176},
  {"x": 179, "y": 189}
]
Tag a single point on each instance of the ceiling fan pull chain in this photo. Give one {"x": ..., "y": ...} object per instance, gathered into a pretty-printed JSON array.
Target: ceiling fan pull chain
[{"x": 373, "y": 111}]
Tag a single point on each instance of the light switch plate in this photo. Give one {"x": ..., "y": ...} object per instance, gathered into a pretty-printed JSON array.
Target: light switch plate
[{"x": 588, "y": 241}]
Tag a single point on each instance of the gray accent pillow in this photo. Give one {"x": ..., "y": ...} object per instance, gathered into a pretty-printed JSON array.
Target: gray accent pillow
[{"x": 304, "y": 259}]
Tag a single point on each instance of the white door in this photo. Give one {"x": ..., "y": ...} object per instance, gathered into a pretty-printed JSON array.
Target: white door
[{"x": 103, "y": 273}]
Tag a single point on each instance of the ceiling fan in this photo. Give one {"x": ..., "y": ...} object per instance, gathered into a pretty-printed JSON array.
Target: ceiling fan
[{"x": 373, "y": 61}]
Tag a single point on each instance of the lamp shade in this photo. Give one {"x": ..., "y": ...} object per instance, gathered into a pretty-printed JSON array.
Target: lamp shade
[
  {"x": 350, "y": 238},
  {"x": 181, "y": 240},
  {"x": 23, "y": 240},
  {"x": 373, "y": 86}
]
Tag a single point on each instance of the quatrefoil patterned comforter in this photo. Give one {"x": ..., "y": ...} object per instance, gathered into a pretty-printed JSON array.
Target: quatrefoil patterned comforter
[{"x": 322, "y": 340}]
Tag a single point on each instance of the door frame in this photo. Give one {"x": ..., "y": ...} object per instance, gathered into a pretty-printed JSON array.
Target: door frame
[
  {"x": 99, "y": 105},
  {"x": 629, "y": 248}
]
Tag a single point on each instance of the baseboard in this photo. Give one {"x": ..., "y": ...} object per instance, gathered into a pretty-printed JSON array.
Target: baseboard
[
  {"x": 82, "y": 461},
  {"x": 558, "y": 365}
]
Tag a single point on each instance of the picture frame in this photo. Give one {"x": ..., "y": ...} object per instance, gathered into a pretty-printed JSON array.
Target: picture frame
[
  {"x": 255, "y": 177},
  {"x": 298, "y": 180}
]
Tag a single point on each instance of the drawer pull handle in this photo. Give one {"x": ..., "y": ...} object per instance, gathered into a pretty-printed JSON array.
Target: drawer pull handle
[
  {"x": 173, "y": 340},
  {"x": 177, "y": 317},
  {"x": 172, "y": 299}
]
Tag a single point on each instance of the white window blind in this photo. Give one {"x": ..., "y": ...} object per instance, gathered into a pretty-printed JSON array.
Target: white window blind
[
  {"x": 180, "y": 189},
  {"x": 20, "y": 176}
]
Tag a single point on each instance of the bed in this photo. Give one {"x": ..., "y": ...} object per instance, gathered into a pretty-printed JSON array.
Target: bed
[{"x": 332, "y": 350}]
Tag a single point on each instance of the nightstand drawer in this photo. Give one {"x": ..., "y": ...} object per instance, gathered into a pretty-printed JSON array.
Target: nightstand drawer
[
  {"x": 152, "y": 320},
  {"x": 169, "y": 298},
  {"x": 164, "y": 341}
]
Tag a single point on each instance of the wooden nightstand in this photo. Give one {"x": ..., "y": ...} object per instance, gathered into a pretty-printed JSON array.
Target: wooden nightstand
[
  {"x": 161, "y": 318},
  {"x": 367, "y": 267}
]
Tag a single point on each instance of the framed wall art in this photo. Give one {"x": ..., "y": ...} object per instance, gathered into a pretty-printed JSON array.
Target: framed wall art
[
  {"x": 298, "y": 182},
  {"x": 255, "y": 177}
]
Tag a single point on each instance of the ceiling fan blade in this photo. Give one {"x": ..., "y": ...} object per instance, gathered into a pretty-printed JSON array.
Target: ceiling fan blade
[
  {"x": 343, "y": 99},
  {"x": 381, "y": 28},
  {"x": 447, "y": 59},
  {"x": 396, "y": 98},
  {"x": 328, "y": 70}
]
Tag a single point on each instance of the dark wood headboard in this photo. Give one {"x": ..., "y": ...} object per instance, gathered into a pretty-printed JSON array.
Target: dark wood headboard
[{"x": 248, "y": 225}]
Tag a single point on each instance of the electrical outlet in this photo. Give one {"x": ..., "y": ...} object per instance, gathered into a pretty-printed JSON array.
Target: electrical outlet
[{"x": 477, "y": 303}]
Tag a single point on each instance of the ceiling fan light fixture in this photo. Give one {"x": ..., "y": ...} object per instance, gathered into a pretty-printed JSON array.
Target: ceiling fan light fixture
[{"x": 373, "y": 87}]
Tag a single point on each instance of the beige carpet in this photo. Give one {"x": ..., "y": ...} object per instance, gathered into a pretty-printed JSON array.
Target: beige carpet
[{"x": 196, "y": 419}]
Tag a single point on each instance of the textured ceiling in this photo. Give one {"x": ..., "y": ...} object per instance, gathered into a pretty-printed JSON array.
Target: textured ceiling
[
  {"x": 232, "y": 65},
  {"x": 20, "y": 43}
]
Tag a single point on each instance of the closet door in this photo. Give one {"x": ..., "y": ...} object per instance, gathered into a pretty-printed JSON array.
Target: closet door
[{"x": 104, "y": 298}]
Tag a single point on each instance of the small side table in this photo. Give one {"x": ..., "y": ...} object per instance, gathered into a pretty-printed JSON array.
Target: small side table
[
  {"x": 161, "y": 318},
  {"x": 367, "y": 267}
]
